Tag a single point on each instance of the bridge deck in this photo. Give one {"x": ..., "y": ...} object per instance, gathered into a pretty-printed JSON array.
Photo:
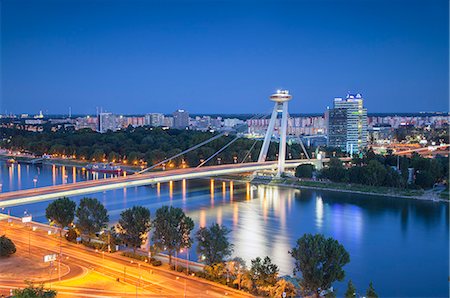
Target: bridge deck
[{"x": 21, "y": 197}]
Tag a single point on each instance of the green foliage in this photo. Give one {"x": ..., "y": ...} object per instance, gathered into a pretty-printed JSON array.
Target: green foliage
[
  {"x": 137, "y": 256},
  {"x": 134, "y": 225},
  {"x": 111, "y": 237},
  {"x": 150, "y": 144},
  {"x": 335, "y": 171},
  {"x": 216, "y": 271},
  {"x": 379, "y": 170},
  {"x": 237, "y": 269},
  {"x": 375, "y": 173},
  {"x": 282, "y": 286},
  {"x": 351, "y": 290},
  {"x": 71, "y": 235},
  {"x": 98, "y": 155},
  {"x": 263, "y": 273},
  {"x": 304, "y": 171},
  {"x": 97, "y": 245},
  {"x": 320, "y": 261},
  {"x": 172, "y": 230},
  {"x": 61, "y": 212},
  {"x": 32, "y": 291},
  {"x": 424, "y": 179},
  {"x": 213, "y": 243},
  {"x": 371, "y": 292},
  {"x": 92, "y": 217},
  {"x": 7, "y": 247}
]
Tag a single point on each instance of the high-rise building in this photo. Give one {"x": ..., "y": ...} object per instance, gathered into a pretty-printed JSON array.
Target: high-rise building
[
  {"x": 337, "y": 128},
  {"x": 86, "y": 122},
  {"x": 107, "y": 121},
  {"x": 347, "y": 124},
  {"x": 154, "y": 119},
  {"x": 168, "y": 121},
  {"x": 180, "y": 119}
]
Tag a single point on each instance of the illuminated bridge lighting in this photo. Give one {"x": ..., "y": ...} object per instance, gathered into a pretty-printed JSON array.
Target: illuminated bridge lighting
[{"x": 22, "y": 197}]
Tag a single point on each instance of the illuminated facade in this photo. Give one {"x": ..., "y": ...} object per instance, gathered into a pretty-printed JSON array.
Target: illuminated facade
[{"x": 347, "y": 124}]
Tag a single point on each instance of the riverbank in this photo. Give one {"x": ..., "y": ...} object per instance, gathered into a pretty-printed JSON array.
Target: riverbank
[
  {"x": 428, "y": 195},
  {"x": 60, "y": 161}
]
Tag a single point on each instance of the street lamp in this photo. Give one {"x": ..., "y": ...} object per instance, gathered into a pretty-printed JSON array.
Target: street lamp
[{"x": 27, "y": 219}]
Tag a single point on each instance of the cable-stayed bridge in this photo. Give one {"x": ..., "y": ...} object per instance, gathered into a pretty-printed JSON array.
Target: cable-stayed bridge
[
  {"x": 22, "y": 197},
  {"x": 146, "y": 177}
]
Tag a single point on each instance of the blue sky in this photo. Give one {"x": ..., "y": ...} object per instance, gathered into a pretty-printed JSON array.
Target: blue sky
[{"x": 222, "y": 56}]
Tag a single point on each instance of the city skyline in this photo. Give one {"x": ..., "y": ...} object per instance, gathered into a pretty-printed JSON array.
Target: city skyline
[
  {"x": 209, "y": 57},
  {"x": 224, "y": 148}
]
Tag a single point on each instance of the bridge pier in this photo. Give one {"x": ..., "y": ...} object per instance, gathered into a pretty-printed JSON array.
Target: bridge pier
[{"x": 281, "y": 99}]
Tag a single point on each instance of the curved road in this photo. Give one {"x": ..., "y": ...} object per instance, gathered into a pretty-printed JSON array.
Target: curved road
[{"x": 148, "y": 280}]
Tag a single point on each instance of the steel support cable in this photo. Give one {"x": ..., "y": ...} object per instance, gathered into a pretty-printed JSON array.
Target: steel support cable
[
  {"x": 304, "y": 149},
  {"x": 188, "y": 150},
  {"x": 254, "y": 143},
  {"x": 182, "y": 153},
  {"x": 226, "y": 145},
  {"x": 218, "y": 151},
  {"x": 301, "y": 145},
  {"x": 250, "y": 150}
]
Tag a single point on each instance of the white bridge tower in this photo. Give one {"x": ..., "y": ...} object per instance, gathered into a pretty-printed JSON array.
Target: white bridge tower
[{"x": 281, "y": 99}]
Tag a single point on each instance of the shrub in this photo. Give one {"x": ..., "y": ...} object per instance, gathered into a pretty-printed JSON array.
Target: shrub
[
  {"x": 32, "y": 291},
  {"x": 95, "y": 245},
  {"x": 71, "y": 235},
  {"x": 137, "y": 256},
  {"x": 304, "y": 171},
  {"x": 156, "y": 263},
  {"x": 7, "y": 247}
]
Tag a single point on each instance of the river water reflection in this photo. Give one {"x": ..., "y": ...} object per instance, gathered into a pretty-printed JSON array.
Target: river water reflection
[{"x": 399, "y": 244}]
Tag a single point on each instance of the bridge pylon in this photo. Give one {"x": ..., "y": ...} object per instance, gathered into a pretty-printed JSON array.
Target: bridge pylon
[{"x": 281, "y": 99}]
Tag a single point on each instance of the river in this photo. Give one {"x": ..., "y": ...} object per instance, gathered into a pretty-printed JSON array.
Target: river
[{"x": 402, "y": 245}]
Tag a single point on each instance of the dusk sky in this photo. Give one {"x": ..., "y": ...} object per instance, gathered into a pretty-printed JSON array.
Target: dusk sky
[{"x": 136, "y": 57}]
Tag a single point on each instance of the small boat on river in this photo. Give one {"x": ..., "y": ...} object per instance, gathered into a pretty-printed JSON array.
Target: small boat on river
[{"x": 108, "y": 168}]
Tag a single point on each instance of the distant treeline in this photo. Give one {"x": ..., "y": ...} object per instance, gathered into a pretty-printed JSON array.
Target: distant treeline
[
  {"x": 137, "y": 145},
  {"x": 385, "y": 170}
]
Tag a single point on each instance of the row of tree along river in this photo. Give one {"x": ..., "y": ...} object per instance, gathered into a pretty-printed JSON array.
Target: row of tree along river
[{"x": 399, "y": 244}]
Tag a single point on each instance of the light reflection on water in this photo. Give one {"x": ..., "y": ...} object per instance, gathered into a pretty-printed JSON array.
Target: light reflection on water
[{"x": 401, "y": 245}]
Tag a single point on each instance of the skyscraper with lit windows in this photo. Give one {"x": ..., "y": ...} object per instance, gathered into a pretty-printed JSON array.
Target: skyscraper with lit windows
[{"x": 347, "y": 124}]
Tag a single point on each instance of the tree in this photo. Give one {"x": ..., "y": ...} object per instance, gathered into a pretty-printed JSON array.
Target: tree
[
  {"x": 216, "y": 270},
  {"x": 172, "y": 230},
  {"x": 304, "y": 171},
  {"x": 424, "y": 179},
  {"x": 7, "y": 247},
  {"x": 351, "y": 290},
  {"x": 213, "y": 243},
  {"x": 71, "y": 235},
  {"x": 133, "y": 226},
  {"x": 34, "y": 292},
  {"x": 320, "y": 261},
  {"x": 92, "y": 217},
  {"x": 375, "y": 173},
  {"x": 335, "y": 171},
  {"x": 371, "y": 292},
  {"x": 113, "y": 156},
  {"x": 282, "y": 286},
  {"x": 264, "y": 273},
  {"x": 61, "y": 212},
  {"x": 98, "y": 155},
  {"x": 237, "y": 269}
]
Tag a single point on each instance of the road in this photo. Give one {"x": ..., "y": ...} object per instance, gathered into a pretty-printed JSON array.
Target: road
[
  {"x": 21, "y": 197},
  {"x": 146, "y": 279}
]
